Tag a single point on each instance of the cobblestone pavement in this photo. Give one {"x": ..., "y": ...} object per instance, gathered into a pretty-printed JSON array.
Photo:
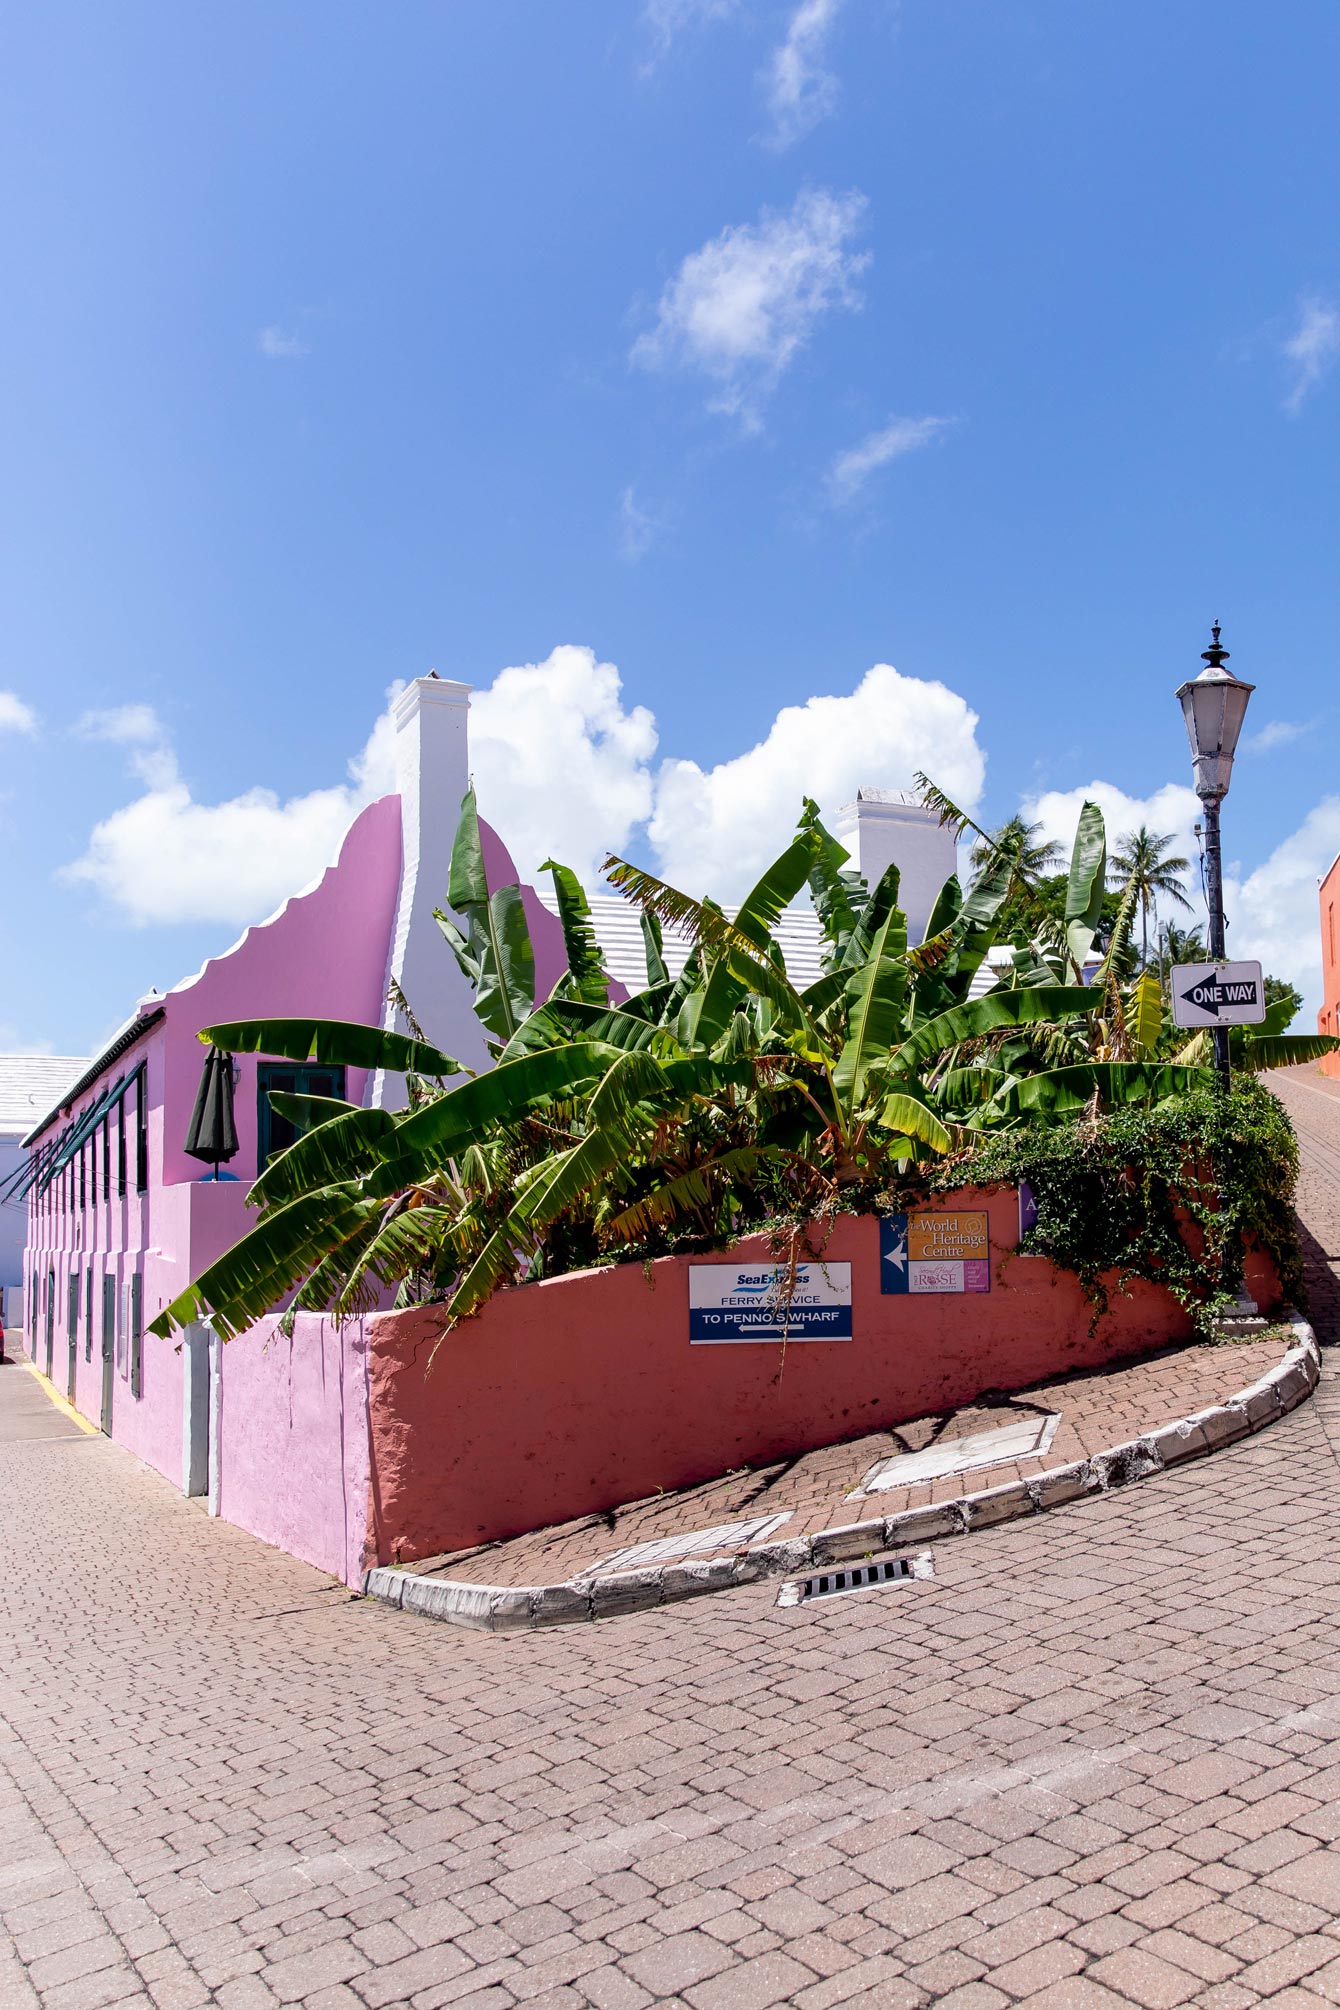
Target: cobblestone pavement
[
  {"x": 1096, "y": 1410},
  {"x": 1094, "y": 1761}
]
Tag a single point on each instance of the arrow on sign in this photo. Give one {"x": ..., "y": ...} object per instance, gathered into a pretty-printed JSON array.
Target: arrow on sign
[{"x": 1212, "y": 992}]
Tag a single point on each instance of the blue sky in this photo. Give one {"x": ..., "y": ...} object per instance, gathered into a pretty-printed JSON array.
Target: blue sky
[{"x": 746, "y": 346}]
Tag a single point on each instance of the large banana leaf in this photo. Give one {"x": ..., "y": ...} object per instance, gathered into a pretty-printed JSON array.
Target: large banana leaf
[
  {"x": 565, "y": 1019},
  {"x": 967, "y": 1088},
  {"x": 684, "y": 1194},
  {"x": 1121, "y": 932},
  {"x": 334, "y": 1043},
  {"x": 706, "y": 1013},
  {"x": 652, "y": 949},
  {"x": 883, "y": 899},
  {"x": 777, "y": 888},
  {"x": 932, "y": 993},
  {"x": 770, "y": 981},
  {"x": 342, "y": 1148},
  {"x": 286, "y": 1245},
  {"x": 831, "y": 889},
  {"x": 1279, "y": 1017},
  {"x": 1282, "y": 1050},
  {"x": 1087, "y": 883},
  {"x": 1144, "y": 1014},
  {"x": 1031, "y": 1005},
  {"x": 1113, "y": 1082},
  {"x": 912, "y": 1119},
  {"x": 496, "y": 1262},
  {"x": 495, "y": 952},
  {"x": 467, "y": 881},
  {"x": 875, "y": 998},
  {"x": 442, "y": 1129},
  {"x": 630, "y": 1079},
  {"x": 818, "y": 997},
  {"x": 707, "y": 925},
  {"x": 585, "y": 963},
  {"x": 1254, "y": 1049},
  {"x": 505, "y": 994},
  {"x": 975, "y": 927}
]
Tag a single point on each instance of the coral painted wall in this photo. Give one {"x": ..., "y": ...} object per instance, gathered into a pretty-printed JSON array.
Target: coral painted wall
[
  {"x": 1328, "y": 1018},
  {"x": 567, "y": 1397}
]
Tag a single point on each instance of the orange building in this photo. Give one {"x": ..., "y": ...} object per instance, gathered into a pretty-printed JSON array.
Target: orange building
[{"x": 1328, "y": 1019}]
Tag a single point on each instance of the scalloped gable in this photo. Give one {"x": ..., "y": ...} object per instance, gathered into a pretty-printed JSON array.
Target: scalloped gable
[{"x": 360, "y": 887}]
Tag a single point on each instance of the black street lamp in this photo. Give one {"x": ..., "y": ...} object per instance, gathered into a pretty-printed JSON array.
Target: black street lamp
[{"x": 1214, "y": 706}]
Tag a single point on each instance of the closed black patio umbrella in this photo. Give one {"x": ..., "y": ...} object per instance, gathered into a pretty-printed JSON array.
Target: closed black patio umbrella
[{"x": 212, "y": 1133}]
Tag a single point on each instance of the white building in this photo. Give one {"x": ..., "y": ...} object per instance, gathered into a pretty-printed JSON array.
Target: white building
[{"x": 29, "y": 1085}]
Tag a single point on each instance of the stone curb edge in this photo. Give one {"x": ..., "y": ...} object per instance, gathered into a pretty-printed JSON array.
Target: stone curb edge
[{"x": 504, "y": 1609}]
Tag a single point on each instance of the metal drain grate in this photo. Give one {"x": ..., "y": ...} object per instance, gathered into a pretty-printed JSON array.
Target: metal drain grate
[{"x": 856, "y": 1577}]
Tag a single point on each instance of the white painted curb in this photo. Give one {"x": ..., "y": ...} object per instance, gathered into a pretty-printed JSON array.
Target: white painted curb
[{"x": 504, "y": 1609}]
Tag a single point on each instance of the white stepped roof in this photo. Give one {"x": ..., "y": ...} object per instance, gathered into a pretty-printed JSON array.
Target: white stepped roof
[
  {"x": 31, "y": 1083},
  {"x": 618, "y": 930}
]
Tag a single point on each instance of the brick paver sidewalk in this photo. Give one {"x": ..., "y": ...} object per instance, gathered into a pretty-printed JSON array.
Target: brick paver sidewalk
[
  {"x": 1093, "y": 1762},
  {"x": 1096, "y": 1410}
]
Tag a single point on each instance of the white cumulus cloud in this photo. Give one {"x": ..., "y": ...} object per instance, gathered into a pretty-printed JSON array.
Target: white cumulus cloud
[
  {"x": 281, "y": 345},
  {"x": 1312, "y": 349},
  {"x": 561, "y": 768},
  {"x": 715, "y": 829},
  {"x": 1271, "y": 908},
  {"x": 15, "y": 715},
  {"x": 164, "y": 857},
  {"x": 800, "y": 90},
  {"x": 1275, "y": 733},
  {"x": 852, "y": 470},
  {"x": 1273, "y": 911},
  {"x": 122, "y": 724},
  {"x": 1171, "y": 811},
  {"x": 741, "y": 308}
]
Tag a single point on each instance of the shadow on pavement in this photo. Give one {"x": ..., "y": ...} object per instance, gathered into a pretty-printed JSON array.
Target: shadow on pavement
[{"x": 1321, "y": 1274}]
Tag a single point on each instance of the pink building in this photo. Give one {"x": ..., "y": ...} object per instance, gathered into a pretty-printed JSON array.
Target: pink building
[{"x": 274, "y": 1430}]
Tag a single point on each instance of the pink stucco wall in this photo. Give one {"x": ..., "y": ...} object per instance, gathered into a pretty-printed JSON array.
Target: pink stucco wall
[
  {"x": 293, "y": 1440},
  {"x": 575, "y": 1395},
  {"x": 324, "y": 954}
]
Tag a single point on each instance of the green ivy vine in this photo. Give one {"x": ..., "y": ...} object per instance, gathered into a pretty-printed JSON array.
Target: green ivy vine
[{"x": 1114, "y": 1194}]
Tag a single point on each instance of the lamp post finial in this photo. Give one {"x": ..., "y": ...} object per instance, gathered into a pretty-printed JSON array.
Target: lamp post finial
[{"x": 1216, "y": 655}]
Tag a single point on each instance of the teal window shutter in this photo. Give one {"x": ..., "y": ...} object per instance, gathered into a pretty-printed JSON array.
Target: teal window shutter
[{"x": 136, "y": 1332}]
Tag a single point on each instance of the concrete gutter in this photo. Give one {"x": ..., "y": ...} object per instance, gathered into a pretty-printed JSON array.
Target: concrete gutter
[{"x": 506, "y": 1609}]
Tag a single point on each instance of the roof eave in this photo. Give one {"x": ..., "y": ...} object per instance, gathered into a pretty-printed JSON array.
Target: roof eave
[{"x": 124, "y": 1040}]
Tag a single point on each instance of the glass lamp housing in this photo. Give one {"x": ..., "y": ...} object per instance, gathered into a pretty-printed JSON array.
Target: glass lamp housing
[{"x": 1214, "y": 706}]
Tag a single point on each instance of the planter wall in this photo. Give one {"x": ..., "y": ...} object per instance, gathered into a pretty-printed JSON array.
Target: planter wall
[{"x": 569, "y": 1397}]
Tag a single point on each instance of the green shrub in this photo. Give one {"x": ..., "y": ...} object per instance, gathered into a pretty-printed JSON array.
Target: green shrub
[{"x": 1114, "y": 1194}]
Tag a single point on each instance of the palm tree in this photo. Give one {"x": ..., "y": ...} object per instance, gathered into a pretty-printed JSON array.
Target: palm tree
[
  {"x": 1142, "y": 863},
  {"x": 1183, "y": 945},
  {"x": 1033, "y": 855}
]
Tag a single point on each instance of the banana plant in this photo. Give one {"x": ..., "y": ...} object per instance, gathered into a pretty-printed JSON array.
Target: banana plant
[
  {"x": 703, "y": 1105},
  {"x": 1256, "y": 1049}
]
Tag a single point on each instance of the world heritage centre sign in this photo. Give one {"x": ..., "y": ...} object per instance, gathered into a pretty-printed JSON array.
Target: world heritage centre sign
[{"x": 934, "y": 1252}]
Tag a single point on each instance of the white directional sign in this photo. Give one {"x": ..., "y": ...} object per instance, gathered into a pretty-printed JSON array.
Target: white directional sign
[{"x": 1218, "y": 994}]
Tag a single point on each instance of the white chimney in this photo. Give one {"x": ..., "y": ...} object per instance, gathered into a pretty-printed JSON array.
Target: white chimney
[
  {"x": 883, "y": 827},
  {"x": 432, "y": 761}
]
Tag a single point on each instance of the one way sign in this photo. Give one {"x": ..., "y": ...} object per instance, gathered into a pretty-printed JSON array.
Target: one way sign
[{"x": 1218, "y": 994}]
